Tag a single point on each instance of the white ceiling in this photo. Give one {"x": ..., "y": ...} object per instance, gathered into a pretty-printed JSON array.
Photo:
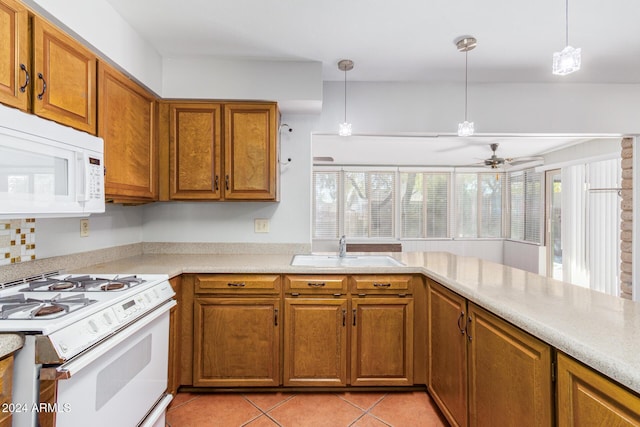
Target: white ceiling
[
  {"x": 407, "y": 40},
  {"x": 402, "y": 40}
]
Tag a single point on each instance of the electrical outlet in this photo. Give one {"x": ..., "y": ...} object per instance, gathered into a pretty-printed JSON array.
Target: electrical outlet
[
  {"x": 84, "y": 227},
  {"x": 261, "y": 225}
]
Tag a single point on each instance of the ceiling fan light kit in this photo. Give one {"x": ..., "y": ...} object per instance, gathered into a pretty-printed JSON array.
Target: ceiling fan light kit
[{"x": 465, "y": 44}]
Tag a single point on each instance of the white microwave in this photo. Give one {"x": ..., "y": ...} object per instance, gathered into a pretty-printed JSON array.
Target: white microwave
[{"x": 47, "y": 169}]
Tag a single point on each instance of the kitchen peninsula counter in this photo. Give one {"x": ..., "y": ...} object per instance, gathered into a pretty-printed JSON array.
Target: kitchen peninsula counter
[
  {"x": 599, "y": 330},
  {"x": 10, "y": 343}
]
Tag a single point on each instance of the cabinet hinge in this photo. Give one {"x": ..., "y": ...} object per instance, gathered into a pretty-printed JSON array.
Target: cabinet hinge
[{"x": 553, "y": 372}]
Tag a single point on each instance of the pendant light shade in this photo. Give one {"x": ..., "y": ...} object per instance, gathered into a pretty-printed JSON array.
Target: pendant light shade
[
  {"x": 568, "y": 60},
  {"x": 465, "y": 44},
  {"x": 345, "y": 127}
]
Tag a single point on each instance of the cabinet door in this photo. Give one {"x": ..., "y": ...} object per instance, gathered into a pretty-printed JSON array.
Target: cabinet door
[
  {"x": 14, "y": 54},
  {"x": 64, "y": 78},
  {"x": 236, "y": 342},
  {"x": 194, "y": 151},
  {"x": 6, "y": 386},
  {"x": 250, "y": 148},
  {"x": 126, "y": 122},
  {"x": 509, "y": 374},
  {"x": 586, "y": 398},
  {"x": 447, "y": 352},
  {"x": 382, "y": 341},
  {"x": 315, "y": 342}
]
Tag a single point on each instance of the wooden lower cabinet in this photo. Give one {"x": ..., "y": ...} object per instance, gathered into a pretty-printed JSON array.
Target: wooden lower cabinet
[
  {"x": 484, "y": 371},
  {"x": 6, "y": 387},
  {"x": 587, "y": 398},
  {"x": 509, "y": 374},
  {"x": 236, "y": 342},
  {"x": 382, "y": 341},
  {"x": 173, "y": 380},
  {"x": 315, "y": 341}
]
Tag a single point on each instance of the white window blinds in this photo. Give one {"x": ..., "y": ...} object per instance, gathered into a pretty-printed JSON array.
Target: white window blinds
[
  {"x": 326, "y": 212},
  {"x": 424, "y": 204},
  {"x": 369, "y": 203},
  {"x": 525, "y": 202},
  {"x": 479, "y": 204}
]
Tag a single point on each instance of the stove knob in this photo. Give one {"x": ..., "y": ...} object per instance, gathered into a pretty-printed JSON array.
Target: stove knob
[
  {"x": 93, "y": 327},
  {"x": 107, "y": 319}
]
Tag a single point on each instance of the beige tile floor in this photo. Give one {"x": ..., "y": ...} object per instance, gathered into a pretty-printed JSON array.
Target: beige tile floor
[{"x": 358, "y": 409}]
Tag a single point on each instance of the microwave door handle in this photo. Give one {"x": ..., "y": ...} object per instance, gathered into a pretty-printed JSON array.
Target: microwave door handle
[{"x": 82, "y": 193}]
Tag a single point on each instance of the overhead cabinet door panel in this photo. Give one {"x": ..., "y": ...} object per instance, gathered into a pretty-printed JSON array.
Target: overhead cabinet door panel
[{"x": 14, "y": 54}]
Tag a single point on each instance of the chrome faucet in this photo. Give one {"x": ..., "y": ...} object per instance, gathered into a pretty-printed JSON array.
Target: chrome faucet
[{"x": 342, "y": 246}]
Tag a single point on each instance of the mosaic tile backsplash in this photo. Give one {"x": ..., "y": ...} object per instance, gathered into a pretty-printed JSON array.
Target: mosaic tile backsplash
[{"x": 17, "y": 240}]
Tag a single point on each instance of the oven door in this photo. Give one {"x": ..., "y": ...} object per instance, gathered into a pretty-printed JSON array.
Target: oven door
[{"x": 120, "y": 381}]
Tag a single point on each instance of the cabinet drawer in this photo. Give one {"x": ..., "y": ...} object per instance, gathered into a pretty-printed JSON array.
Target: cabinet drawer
[
  {"x": 381, "y": 284},
  {"x": 238, "y": 283},
  {"x": 315, "y": 284}
]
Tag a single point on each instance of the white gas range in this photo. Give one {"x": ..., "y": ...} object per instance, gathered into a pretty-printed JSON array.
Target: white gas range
[{"x": 102, "y": 338}]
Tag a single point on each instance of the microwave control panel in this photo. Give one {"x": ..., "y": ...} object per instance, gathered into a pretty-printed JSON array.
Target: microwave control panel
[{"x": 96, "y": 180}]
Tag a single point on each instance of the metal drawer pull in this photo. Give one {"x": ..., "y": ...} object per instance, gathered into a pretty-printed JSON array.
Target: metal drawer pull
[
  {"x": 460, "y": 328},
  {"x": 344, "y": 317},
  {"x": 354, "y": 317},
  {"x": 215, "y": 184},
  {"x": 275, "y": 316},
  {"x": 226, "y": 182},
  {"x": 236, "y": 285},
  {"x": 469, "y": 330},
  {"x": 44, "y": 85},
  {"x": 316, "y": 284},
  {"x": 23, "y": 88},
  {"x": 382, "y": 285}
]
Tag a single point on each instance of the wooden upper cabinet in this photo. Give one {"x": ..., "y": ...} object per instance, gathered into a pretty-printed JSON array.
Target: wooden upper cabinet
[
  {"x": 64, "y": 78},
  {"x": 14, "y": 54},
  {"x": 251, "y": 151},
  {"x": 127, "y": 123},
  {"x": 194, "y": 151}
]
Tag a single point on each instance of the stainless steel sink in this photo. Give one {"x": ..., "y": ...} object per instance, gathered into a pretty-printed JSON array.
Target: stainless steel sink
[{"x": 312, "y": 260}]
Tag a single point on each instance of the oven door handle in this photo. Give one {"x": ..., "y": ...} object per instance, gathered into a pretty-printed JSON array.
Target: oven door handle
[{"x": 67, "y": 370}]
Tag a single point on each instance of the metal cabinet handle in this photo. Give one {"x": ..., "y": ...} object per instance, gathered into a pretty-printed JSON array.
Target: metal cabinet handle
[
  {"x": 215, "y": 184},
  {"x": 275, "y": 316},
  {"x": 226, "y": 181},
  {"x": 382, "y": 285},
  {"x": 23, "y": 88},
  {"x": 236, "y": 285},
  {"x": 461, "y": 322},
  {"x": 344, "y": 317},
  {"x": 316, "y": 284},
  {"x": 468, "y": 329},
  {"x": 44, "y": 86},
  {"x": 354, "y": 317}
]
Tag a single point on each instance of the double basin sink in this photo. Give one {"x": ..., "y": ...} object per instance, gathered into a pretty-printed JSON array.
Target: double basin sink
[{"x": 313, "y": 260}]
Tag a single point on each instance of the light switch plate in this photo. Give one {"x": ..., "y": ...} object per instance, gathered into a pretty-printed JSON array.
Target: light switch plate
[{"x": 261, "y": 225}]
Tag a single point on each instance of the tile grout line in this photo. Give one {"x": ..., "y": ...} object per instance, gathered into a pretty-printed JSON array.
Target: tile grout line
[{"x": 368, "y": 411}]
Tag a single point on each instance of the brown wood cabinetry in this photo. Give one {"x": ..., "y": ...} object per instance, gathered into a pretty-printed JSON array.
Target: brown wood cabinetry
[
  {"x": 219, "y": 151},
  {"x": 63, "y": 78},
  {"x": 382, "y": 330},
  {"x": 587, "y": 398},
  {"x": 505, "y": 372},
  {"x": 127, "y": 123},
  {"x": 6, "y": 381},
  {"x": 15, "y": 49},
  {"x": 236, "y": 338},
  {"x": 44, "y": 71},
  {"x": 315, "y": 330}
]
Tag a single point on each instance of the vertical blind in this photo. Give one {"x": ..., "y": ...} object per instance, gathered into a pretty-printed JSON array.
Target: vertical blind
[{"x": 525, "y": 202}]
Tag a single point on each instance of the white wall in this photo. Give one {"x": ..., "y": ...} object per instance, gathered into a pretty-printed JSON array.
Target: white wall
[{"x": 119, "y": 225}]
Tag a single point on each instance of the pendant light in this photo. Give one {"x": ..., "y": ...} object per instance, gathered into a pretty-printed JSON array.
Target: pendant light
[
  {"x": 465, "y": 44},
  {"x": 568, "y": 60},
  {"x": 345, "y": 127}
]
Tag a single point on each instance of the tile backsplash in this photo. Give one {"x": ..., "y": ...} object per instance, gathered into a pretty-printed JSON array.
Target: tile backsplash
[{"x": 17, "y": 240}]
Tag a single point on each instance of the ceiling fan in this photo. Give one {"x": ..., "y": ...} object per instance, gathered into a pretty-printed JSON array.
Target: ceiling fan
[{"x": 495, "y": 162}]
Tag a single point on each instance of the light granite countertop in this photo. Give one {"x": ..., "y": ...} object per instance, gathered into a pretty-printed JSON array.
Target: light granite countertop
[
  {"x": 600, "y": 330},
  {"x": 10, "y": 343}
]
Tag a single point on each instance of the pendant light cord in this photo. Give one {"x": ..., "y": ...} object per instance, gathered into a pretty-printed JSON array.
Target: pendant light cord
[
  {"x": 566, "y": 22},
  {"x": 345, "y": 95},
  {"x": 466, "y": 71}
]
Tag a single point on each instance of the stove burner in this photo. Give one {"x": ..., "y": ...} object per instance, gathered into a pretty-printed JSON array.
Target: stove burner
[
  {"x": 112, "y": 286},
  {"x": 47, "y": 310},
  {"x": 61, "y": 286}
]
